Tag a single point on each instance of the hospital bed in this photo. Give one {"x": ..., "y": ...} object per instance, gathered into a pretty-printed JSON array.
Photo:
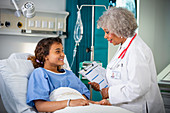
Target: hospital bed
[
  {"x": 164, "y": 84},
  {"x": 14, "y": 73}
]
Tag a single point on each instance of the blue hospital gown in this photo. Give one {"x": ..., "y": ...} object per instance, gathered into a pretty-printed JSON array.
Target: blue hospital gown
[{"x": 42, "y": 82}]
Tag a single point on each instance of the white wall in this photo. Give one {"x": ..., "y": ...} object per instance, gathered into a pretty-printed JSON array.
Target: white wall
[
  {"x": 11, "y": 44},
  {"x": 154, "y": 25}
]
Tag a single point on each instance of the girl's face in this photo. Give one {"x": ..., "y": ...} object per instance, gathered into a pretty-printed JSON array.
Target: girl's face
[
  {"x": 112, "y": 38},
  {"x": 56, "y": 56}
]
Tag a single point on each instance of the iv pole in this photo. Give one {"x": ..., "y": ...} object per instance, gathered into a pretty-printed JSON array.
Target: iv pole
[{"x": 92, "y": 46}]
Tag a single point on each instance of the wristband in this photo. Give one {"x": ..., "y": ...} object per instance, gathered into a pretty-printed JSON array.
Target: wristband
[{"x": 68, "y": 102}]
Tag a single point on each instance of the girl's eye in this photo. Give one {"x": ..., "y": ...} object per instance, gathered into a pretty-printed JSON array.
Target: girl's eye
[
  {"x": 107, "y": 32},
  {"x": 57, "y": 51}
]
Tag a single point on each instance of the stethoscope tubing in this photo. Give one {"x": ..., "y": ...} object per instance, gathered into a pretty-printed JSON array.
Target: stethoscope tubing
[{"x": 121, "y": 56}]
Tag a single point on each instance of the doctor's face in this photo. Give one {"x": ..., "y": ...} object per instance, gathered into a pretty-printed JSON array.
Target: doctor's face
[
  {"x": 112, "y": 38},
  {"x": 56, "y": 55}
]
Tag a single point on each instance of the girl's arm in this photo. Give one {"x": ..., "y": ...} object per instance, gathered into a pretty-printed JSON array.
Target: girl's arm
[{"x": 51, "y": 106}]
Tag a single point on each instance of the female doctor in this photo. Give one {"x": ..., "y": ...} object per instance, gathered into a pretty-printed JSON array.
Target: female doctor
[{"x": 131, "y": 74}]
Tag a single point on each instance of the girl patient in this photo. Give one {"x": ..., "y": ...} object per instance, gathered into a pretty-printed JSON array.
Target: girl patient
[{"x": 49, "y": 75}]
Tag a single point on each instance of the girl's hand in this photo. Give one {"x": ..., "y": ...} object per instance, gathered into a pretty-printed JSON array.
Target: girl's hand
[
  {"x": 78, "y": 102},
  {"x": 95, "y": 86},
  {"x": 93, "y": 102},
  {"x": 104, "y": 102}
]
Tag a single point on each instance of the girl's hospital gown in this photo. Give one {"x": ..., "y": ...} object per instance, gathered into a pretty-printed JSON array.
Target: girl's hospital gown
[{"x": 42, "y": 82}]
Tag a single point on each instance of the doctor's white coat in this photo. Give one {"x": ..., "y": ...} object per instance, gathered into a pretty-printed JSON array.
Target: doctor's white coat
[{"x": 132, "y": 80}]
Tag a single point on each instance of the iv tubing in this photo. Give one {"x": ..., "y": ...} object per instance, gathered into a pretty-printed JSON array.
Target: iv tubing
[{"x": 74, "y": 54}]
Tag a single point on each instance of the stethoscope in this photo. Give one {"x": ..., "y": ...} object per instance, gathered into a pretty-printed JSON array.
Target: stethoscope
[{"x": 121, "y": 56}]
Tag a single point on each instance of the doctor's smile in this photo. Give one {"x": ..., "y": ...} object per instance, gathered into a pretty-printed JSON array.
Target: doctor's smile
[{"x": 112, "y": 38}]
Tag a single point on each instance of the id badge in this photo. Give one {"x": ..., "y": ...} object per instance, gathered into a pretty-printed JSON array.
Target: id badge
[{"x": 116, "y": 75}]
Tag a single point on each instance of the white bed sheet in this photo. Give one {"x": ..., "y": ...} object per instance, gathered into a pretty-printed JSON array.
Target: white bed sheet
[
  {"x": 93, "y": 108},
  {"x": 65, "y": 93}
]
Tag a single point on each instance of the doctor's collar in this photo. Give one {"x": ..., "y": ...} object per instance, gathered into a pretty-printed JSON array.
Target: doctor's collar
[{"x": 125, "y": 44}]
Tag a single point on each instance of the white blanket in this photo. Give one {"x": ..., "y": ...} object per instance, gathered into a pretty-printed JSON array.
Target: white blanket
[{"x": 65, "y": 93}]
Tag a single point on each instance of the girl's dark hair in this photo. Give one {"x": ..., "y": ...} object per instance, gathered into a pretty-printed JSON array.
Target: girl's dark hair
[{"x": 42, "y": 50}]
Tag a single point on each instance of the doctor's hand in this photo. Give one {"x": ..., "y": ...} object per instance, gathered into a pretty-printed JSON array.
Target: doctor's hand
[
  {"x": 95, "y": 86},
  {"x": 104, "y": 93}
]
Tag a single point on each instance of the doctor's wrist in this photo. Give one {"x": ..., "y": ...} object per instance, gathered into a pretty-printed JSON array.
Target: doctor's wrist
[{"x": 105, "y": 93}]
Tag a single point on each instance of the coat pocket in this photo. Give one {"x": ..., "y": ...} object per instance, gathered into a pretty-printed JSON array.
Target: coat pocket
[{"x": 136, "y": 108}]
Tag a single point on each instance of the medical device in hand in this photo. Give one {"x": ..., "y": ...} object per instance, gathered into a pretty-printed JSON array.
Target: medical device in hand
[
  {"x": 95, "y": 73},
  {"x": 78, "y": 34}
]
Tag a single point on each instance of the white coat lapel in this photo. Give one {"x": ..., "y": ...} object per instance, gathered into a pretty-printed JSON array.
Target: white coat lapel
[{"x": 115, "y": 59}]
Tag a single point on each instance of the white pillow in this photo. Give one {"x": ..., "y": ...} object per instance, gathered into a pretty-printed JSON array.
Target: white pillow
[
  {"x": 14, "y": 74},
  {"x": 66, "y": 64},
  {"x": 65, "y": 93},
  {"x": 19, "y": 56},
  {"x": 26, "y": 55}
]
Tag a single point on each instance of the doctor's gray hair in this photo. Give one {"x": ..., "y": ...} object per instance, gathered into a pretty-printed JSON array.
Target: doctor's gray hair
[{"x": 119, "y": 21}]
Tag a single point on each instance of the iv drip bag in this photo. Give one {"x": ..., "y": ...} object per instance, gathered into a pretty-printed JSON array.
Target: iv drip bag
[
  {"x": 78, "y": 34},
  {"x": 78, "y": 30}
]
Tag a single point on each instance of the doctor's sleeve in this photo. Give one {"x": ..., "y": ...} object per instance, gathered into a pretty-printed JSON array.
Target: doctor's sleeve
[
  {"x": 139, "y": 80},
  {"x": 38, "y": 87}
]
